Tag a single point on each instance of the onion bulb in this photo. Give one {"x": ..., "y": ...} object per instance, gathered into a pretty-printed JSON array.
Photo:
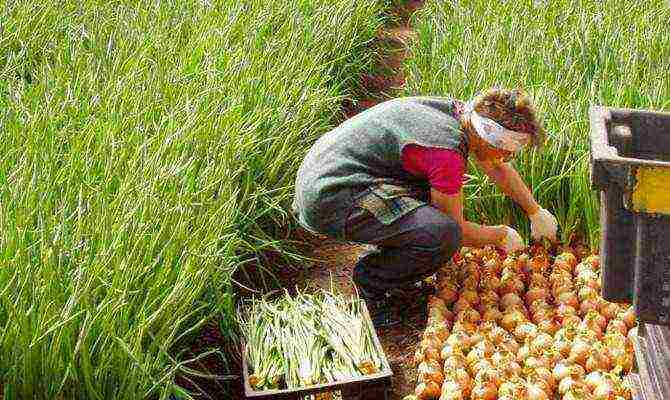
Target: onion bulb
[
  {"x": 526, "y": 330},
  {"x": 534, "y": 392},
  {"x": 470, "y": 296},
  {"x": 548, "y": 326},
  {"x": 536, "y": 294},
  {"x": 510, "y": 299},
  {"x": 490, "y": 375},
  {"x": 448, "y": 293},
  {"x": 484, "y": 391},
  {"x": 567, "y": 257},
  {"x": 588, "y": 305},
  {"x": 594, "y": 379},
  {"x": 449, "y": 350},
  {"x": 454, "y": 362},
  {"x": 427, "y": 390},
  {"x": 628, "y": 317},
  {"x": 492, "y": 314},
  {"x": 569, "y": 383},
  {"x": 608, "y": 310},
  {"x": 538, "y": 280},
  {"x": 469, "y": 315},
  {"x": 511, "y": 319},
  {"x": 568, "y": 298},
  {"x": 579, "y": 351},
  {"x": 430, "y": 371},
  {"x": 540, "y": 342},
  {"x": 461, "y": 305},
  {"x": 617, "y": 326}
]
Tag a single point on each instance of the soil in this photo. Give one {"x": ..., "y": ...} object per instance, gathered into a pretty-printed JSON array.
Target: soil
[{"x": 334, "y": 260}]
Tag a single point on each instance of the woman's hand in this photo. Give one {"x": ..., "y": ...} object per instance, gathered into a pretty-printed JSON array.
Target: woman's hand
[
  {"x": 512, "y": 240},
  {"x": 543, "y": 224}
]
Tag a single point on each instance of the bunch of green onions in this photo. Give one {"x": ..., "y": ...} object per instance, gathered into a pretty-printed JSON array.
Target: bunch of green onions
[{"x": 307, "y": 339}]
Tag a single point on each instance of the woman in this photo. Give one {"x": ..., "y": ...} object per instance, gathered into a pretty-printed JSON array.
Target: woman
[{"x": 392, "y": 176}]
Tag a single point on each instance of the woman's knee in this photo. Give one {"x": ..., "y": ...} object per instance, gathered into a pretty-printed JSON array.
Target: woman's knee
[{"x": 447, "y": 235}]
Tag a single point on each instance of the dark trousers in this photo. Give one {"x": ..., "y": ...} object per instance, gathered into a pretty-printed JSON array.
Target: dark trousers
[{"x": 408, "y": 250}]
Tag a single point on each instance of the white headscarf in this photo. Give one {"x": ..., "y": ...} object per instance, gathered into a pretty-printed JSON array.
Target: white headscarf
[{"x": 496, "y": 134}]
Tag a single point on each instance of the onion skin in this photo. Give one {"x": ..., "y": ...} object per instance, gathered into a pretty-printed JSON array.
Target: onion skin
[{"x": 427, "y": 391}]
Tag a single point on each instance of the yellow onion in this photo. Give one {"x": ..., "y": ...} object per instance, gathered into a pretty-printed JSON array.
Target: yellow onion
[
  {"x": 453, "y": 395},
  {"x": 460, "y": 340},
  {"x": 448, "y": 293},
  {"x": 449, "y": 350},
  {"x": 454, "y": 362},
  {"x": 492, "y": 314},
  {"x": 593, "y": 261},
  {"x": 430, "y": 371},
  {"x": 461, "y": 305},
  {"x": 562, "y": 346},
  {"x": 543, "y": 374},
  {"x": 463, "y": 379},
  {"x": 526, "y": 330},
  {"x": 427, "y": 390},
  {"x": 588, "y": 305},
  {"x": 570, "y": 321},
  {"x": 537, "y": 280},
  {"x": 536, "y": 294},
  {"x": 491, "y": 375},
  {"x": 608, "y": 310},
  {"x": 471, "y": 282},
  {"x": 538, "y": 305},
  {"x": 618, "y": 326},
  {"x": 534, "y": 392},
  {"x": 410, "y": 397},
  {"x": 480, "y": 365},
  {"x": 536, "y": 362},
  {"x": 511, "y": 319},
  {"x": 598, "y": 360},
  {"x": 465, "y": 327},
  {"x": 511, "y": 284},
  {"x": 484, "y": 391},
  {"x": 586, "y": 293},
  {"x": 470, "y": 296},
  {"x": 594, "y": 379},
  {"x": 469, "y": 315},
  {"x": 568, "y": 298},
  {"x": 568, "y": 257},
  {"x": 477, "y": 354},
  {"x": 436, "y": 302},
  {"x": 540, "y": 342},
  {"x": 604, "y": 392},
  {"x": 539, "y": 264},
  {"x": 564, "y": 310},
  {"x": 629, "y": 318},
  {"x": 497, "y": 335},
  {"x": 510, "y": 370},
  {"x": 510, "y": 345},
  {"x": 440, "y": 330},
  {"x": 593, "y": 318},
  {"x": 548, "y": 326},
  {"x": 583, "y": 268},
  {"x": 569, "y": 383},
  {"x": 579, "y": 351},
  {"x": 514, "y": 388},
  {"x": 523, "y": 353},
  {"x": 577, "y": 394},
  {"x": 510, "y": 299}
]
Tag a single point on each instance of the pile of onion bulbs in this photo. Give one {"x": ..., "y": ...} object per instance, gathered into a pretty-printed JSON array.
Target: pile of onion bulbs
[{"x": 524, "y": 326}]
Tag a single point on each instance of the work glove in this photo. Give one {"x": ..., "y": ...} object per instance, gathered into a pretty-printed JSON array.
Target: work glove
[
  {"x": 512, "y": 240},
  {"x": 543, "y": 224}
]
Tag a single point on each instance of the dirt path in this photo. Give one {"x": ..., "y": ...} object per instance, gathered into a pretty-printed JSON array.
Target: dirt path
[{"x": 337, "y": 259}]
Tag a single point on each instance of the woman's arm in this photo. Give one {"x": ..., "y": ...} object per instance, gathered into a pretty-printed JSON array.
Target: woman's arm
[
  {"x": 473, "y": 234},
  {"x": 510, "y": 182}
]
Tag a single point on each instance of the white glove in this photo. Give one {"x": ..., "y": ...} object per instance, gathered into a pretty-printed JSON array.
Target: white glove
[
  {"x": 512, "y": 240},
  {"x": 543, "y": 224}
]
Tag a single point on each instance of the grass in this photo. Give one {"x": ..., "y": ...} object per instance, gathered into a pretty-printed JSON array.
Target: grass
[
  {"x": 147, "y": 151},
  {"x": 568, "y": 54}
]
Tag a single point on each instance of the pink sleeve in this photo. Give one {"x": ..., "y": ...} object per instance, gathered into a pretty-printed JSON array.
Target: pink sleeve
[{"x": 443, "y": 168}]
